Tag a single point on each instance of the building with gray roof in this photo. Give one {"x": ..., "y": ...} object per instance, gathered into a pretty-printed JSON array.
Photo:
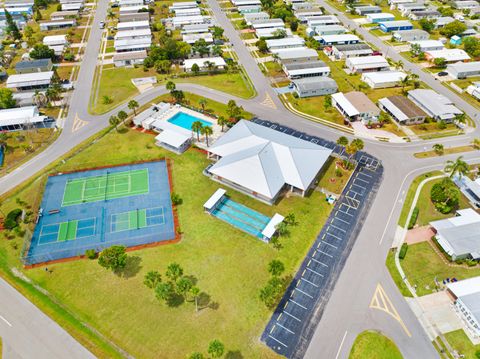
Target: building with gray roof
[
  {"x": 315, "y": 86},
  {"x": 402, "y": 110},
  {"x": 437, "y": 106},
  {"x": 313, "y": 68},
  {"x": 410, "y": 35},
  {"x": 466, "y": 295},
  {"x": 462, "y": 70},
  {"x": 351, "y": 50},
  {"x": 264, "y": 163},
  {"x": 40, "y": 65}
]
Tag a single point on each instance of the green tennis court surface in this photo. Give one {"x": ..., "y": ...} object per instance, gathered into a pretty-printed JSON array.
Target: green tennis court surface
[
  {"x": 67, "y": 231},
  {"x": 137, "y": 219},
  {"x": 108, "y": 186}
]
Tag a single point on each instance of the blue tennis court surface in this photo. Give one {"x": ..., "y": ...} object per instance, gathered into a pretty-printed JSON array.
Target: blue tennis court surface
[{"x": 68, "y": 229}]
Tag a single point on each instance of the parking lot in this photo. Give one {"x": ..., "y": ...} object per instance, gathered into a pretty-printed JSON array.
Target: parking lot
[{"x": 292, "y": 325}]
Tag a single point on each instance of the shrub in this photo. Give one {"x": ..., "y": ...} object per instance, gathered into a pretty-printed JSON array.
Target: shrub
[
  {"x": 471, "y": 263},
  {"x": 403, "y": 251},
  {"x": 11, "y": 221},
  {"x": 414, "y": 218},
  {"x": 338, "y": 172},
  {"x": 477, "y": 354},
  {"x": 176, "y": 199},
  {"x": 90, "y": 254}
]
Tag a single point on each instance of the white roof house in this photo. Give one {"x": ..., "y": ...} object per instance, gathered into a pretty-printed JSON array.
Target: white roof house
[
  {"x": 428, "y": 45},
  {"x": 135, "y": 44},
  {"x": 246, "y": 2},
  {"x": 270, "y": 32},
  {"x": 72, "y": 6},
  {"x": 337, "y": 39},
  {"x": 463, "y": 70},
  {"x": 296, "y": 54},
  {"x": 182, "y": 5},
  {"x": 13, "y": 119},
  {"x": 133, "y": 34},
  {"x": 465, "y": 287},
  {"x": 382, "y": 16},
  {"x": 434, "y": 104},
  {"x": 30, "y": 80},
  {"x": 383, "y": 79},
  {"x": 467, "y": 303},
  {"x": 194, "y": 29},
  {"x": 262, "y": 162},
  {"x": 130, "y": 2},
  {"x": 459, "y": 236},
  {"x": 450, "y": 55},
  {"x": 55, "y": 40},
  {"x": 355, "y": 105},
  {"x": 133, "y": 25},
  {"x": 367, "y": 63},
  {"x": 192, "y": 38},
  {"x": 131, "y": 9},
  {"x": 268, "y": 23},
  {"x": 255, "y": 16},
  {"x": 179, "y": 21},
  {"x": 188, "y": 11},
  {"x": 411, "y": 35},
  {"x": 285, "y": 43},
  {"x": 202, "y": 63},
  {"x": 298, "y": 70},
  {"x": 323, "y": 20}
]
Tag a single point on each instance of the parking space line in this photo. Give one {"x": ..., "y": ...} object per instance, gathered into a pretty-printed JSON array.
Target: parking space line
[
  {"x": 311, "y": 270},
  {"x": 365, "y": 174},
  {"x": 348, "y": 214},
  {"x": 278, "y": 341},
  {"x": 334, "y": 236},
  {"x": 323, "y": 264},
  {"x": 325, "y": 253},
  {"x": 301, "y": 306},
  {"x": 331, "y": 245},
  {"x": 305, "y": 293},
  {"x": 360, "y": 179},
  {"x": 341, "y": 220},
  {"x": 306, "y": 280},
  {"x": 290, "y": 315},
  {"x": 354, "y": 184},
  {"x": 340, "y": 229},
  {"x": 288, "y": 330}
]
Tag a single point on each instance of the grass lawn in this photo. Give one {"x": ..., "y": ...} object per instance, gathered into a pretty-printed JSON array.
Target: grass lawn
[
  {"x": 24, "y": 144},
  {"x": 392, "y": 268},
  {"x": 431, "y": 129},
  {"x": 427, "y": 211},
  {"x": 411, "y": 194},
  {"x": 447, "y": 151},
  {"x": 222, "y": 259},
  {"x": 274, "y": 69},
  {"x": 116, "y": 83},
  {"x": 421, "y": 265},
  {"x": 329, "y": 179},
  {"x": 460, "y": 342},
  {"x": 64, "y": 72},
  {"x": 314, "y": 106},
  {"x": 374, "y": 345}
]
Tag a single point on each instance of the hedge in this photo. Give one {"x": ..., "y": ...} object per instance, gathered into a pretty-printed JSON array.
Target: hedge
[
  {"x": 11, "y": 219},
  {"x": 413, "y": 218},
  {"x": 403, "y": 251}
]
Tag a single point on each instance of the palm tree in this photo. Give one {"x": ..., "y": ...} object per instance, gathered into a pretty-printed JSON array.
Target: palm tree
[
  {"x": 202, "y": 102},
  {"x": 222, "y": 121},
  {"x": 174, "y": 271},
  {"x": 405, "y": 82},
  {"x": 122, "y": 115},
  {"x": 170, "y": 86},
  {"x": 114, "y": 121},
  {"x": 207, "y": 131},
  {"x": 216, "y": 348},
  {"x": 276, "y": 268},
  {"x": 197, "y": 127},
  {"x": 342, "y": 141},
  {"x": 438, "y": 148},
  {"x": 461, "y": 117},
  {"x": 133, "y": 105},
  {"x": 459, "y": 166},
  {"x": 195, "y": 291}
]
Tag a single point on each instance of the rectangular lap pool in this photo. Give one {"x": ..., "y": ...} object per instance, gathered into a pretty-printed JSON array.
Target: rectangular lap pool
[{"x": 186, "y": 120}]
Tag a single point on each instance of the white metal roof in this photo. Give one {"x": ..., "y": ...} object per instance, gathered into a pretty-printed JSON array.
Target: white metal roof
[
  {"x": 55, "y": 40},
  {"x": 464, "y": 66},
  {"x": 183, "y": 5},
  {"x": 380, "y": 15},
  {"x": 191, "y": 38},
  {"x": 131, "y": 9},
  {"x": 264, "y": 160},
  {"x": 172, "y": 138},
  {"x": 214, "y": 198},
  {"x": 396, "y": 23},
  {"x": 346, "y": 105},
  {"x": 125, "y": 44},
  {"x": 363, "y": 61},
  {"x": 20, "y": 115},
  {"x": 339, "y": 37},
  {"x": 31, "y": 79},
  {"x": 295, "y": 53},
  {"x": 433, "y": 103},
  {"x": 218, "y": 61},
  {"x": 465, "y": 287},
  {"x": 269, "y": 32},
  {"x": 133, "y": 24},
  {"x": 449, "y": 54},
  {"x": 267, "y": 23},
  {"x": 427, "y": 43},
  {"x": 271, "y": 227},
  {"x": 130, "y": 34},
  {"x": 287, "y": 41},
  {"x": 384, "y": 76}
]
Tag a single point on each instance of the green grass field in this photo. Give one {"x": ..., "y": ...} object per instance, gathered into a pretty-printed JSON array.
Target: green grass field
[
  {"x": 421, "y": 265},
  {"x": 392, "y": 269},
  {"x": 374, "y": 345},
  {"x": 125, "y": 311},
  {"x": 460, "y": 342}
]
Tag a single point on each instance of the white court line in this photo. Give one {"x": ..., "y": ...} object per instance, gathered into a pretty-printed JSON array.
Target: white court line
[
  {"x": 359, "y": 179},
  {"x": 363, "y": 188},
  {"x": 6, "y": 321},
  {"x": 365, "y": 174},
  {"x": 278, "y": 341},
  {"x": 348, "y": 207}
]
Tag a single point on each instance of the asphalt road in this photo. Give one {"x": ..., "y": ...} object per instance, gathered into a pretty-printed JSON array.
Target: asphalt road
[
  {"x": 28, "y": 333},
  {"x": 348, "y": 310}
]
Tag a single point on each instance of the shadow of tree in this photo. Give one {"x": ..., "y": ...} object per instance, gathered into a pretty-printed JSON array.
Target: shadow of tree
[
  {"x": 175, "y": 300},
  {"x": 122, "y": 129},
  {"x": 234, "y": 355},
  {"x": 204, "y": 301},
  {"x": 192, "y": 278},
  {"x": 132, "y": 267}
]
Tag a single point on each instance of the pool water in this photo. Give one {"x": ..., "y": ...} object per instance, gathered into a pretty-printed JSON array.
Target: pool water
[{"x": 185, "y": 120}]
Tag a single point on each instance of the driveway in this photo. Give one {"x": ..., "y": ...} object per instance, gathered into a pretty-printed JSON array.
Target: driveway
[{"x": 420, "y": 234}]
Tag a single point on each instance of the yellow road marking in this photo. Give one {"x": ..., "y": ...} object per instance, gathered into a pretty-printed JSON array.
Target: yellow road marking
[
  {"x": 78, "y": 123},
  {"x": 381, "y": 301},
  {"x": 268, "y": 102}
]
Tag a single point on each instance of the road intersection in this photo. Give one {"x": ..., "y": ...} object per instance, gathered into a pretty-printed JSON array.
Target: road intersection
[{"x": 364, "y": 286}]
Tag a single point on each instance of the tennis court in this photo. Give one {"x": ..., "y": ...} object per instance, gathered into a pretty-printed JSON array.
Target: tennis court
[
  {"x": 137, "y": 219},
  {"x": 127, "y": 205},
  {"x": 106, "y": 186}
]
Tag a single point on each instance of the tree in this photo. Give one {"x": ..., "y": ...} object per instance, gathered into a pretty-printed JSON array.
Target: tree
[
  {"x": 174, "y": 272},
  {"x": 276, "y": 268},
  {"x": 453, "y": 28},
  {"x": 202, "y": 102},
  {"x": 261, "y": 45},
  {"x": 6, "y": 98},
  {"x": 290, "y": 219},
  {"x": 207, "y": 131},
  {"x": 294, "y": 25},
  {"x": 12, "y": 28},
  {"x": 445, "y": 196},
  {"x": 233, "y": 110},
  {"x": 440, "y": 62},
  {"x": 415, "y": 49},
  {"x": 41, "y": 51},
  {"x": 354, "y": 146},
  {"x": 195, "y": 69},
  {"x": 217, "y": 32},
  {"x": 458, "y": 167},
  {"x": 164, "y": 291},
  {"x": 427, "y": 25},
  {"x": 196, "y": 355},
  {"x": 163, "y": 66},
  {"x": 133, "y": 105},
  {"x": 342, "y": 141},
  {"x": 272, "y": 292},
  {"x": 197, "y": 128},
  {"x": 472, "y": 46},
  {"x": 201, "y": 47},
  {"x": 178, "y": 95},
  {"x": 327, "y": 102},
  {"x": 216, "y": 348},
  {"x": 194, "y": 292},
  {"x": 282, "y": 229},
  {"x": 476, "y": 143},
  {"x": 170, "y": 86},
  {"x": 184, "y": 285},
  {"x": 114, "y": 258},
  {"x": 438, "y": 148},
  {"x": 122, "y": 115},
  {"x": 279, "y": 33},
  {"x": 461, "y": 117},
  {"x": 28, "y": 32},
  {"x": 152, "y": 279},
  {"x": 216, "y": 50},
  {"x": 114, "y": 121},
  {"x": 222, "y": 121}
]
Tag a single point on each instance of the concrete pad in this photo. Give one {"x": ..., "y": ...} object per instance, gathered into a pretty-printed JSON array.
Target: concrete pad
[
  {"x": 439, "y": 310},
  {"x": 420, "y": 234},
  {"x": 398, "y": 237}
]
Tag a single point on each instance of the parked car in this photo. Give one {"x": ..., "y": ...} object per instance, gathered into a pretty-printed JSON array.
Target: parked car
[
  {"x": 102, "y": 25},
  {"x": 442, "y": 73}
]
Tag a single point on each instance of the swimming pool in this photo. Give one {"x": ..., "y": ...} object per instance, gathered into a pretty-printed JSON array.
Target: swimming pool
[{"x": 185, "y": 120}]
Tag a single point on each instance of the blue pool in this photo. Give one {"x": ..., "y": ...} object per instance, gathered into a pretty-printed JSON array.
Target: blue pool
[
  {"x": 185, "y": 120},
  {"x": 241, "y": 217}
]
